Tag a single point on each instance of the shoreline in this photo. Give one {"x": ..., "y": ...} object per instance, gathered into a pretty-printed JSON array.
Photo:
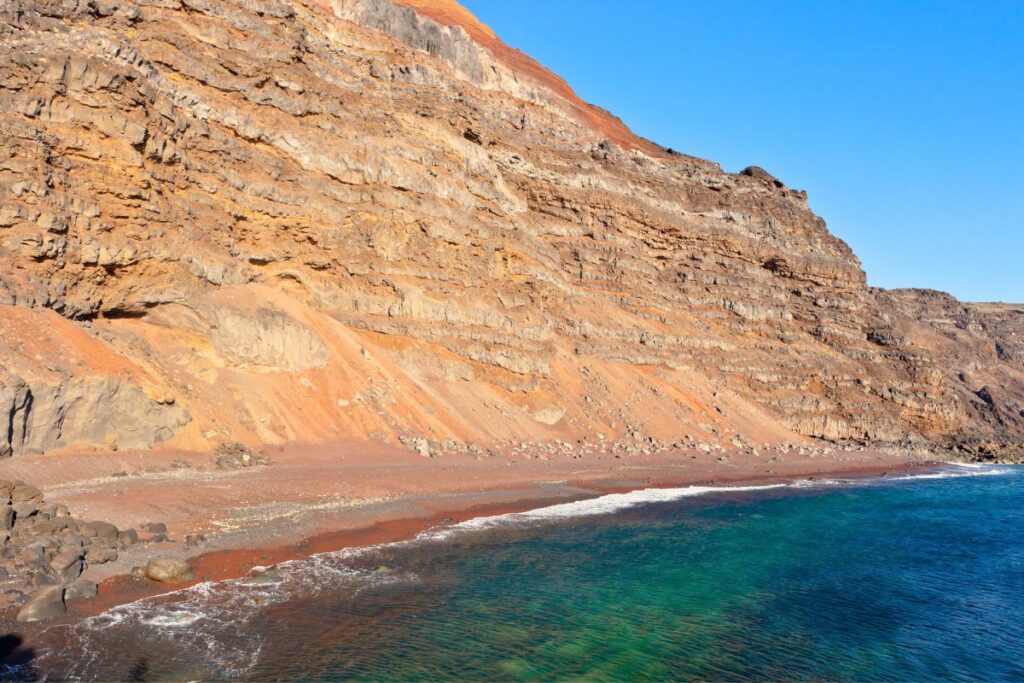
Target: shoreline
[{"x": 399, "y": 521}]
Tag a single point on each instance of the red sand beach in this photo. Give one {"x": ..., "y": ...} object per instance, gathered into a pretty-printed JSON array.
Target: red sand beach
[{"x": 318, "y": 498}]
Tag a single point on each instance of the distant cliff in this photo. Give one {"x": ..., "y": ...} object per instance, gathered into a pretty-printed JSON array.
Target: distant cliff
[{"x": 304, "y": 220}]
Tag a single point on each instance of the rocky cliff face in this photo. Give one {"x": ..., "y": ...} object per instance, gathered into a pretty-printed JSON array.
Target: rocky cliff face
[{"x": 300, "y": 220}]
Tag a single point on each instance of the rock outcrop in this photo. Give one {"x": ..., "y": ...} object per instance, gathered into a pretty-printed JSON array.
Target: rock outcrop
[
  {"x": 296, "y": 220},
  {"x": 44, "y": 550}
]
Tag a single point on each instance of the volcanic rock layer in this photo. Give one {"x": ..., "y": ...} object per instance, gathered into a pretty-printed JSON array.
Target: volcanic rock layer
[{"x": 300, "y": 220}]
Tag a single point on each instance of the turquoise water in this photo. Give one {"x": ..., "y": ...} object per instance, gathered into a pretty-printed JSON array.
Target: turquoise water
[{"x": 887, "y": 580}]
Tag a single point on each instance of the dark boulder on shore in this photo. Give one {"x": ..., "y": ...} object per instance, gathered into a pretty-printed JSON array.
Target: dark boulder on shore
[
  {"x": 82, "y": 589},
  {"x": 47, "y": 603}
]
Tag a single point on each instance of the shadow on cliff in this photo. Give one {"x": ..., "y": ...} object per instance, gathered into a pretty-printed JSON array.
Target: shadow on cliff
[{"x": 16, "y": 661}]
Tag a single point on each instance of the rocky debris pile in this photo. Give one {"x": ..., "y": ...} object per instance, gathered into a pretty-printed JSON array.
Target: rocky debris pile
[
  {"x": 44, "y": 550},
  {"x": 235, "y": 455},
  {"x": 636, "y": 443},
  {"x": 429, "y": 448}
]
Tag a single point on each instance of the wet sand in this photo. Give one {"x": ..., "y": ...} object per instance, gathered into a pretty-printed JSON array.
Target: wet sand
[{"x": 321, "y": 498}]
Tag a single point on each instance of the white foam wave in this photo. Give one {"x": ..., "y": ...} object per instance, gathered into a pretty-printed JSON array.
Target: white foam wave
[
  {"x": 972, "y": 471},
  {"x": 226, "y": 608},
  {"x": 601, "y": 505},
  {"x": 173, "y": 619}
]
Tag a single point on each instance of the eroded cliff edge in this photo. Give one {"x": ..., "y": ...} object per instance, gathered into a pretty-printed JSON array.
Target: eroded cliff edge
[{"x": 305, "y": 220}]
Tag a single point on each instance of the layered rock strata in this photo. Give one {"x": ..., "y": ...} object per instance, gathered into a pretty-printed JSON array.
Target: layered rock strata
[{"x": 298, "y": 220}]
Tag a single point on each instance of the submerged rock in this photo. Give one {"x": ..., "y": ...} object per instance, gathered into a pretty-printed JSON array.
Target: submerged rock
[{"x": 264, "y": 575}]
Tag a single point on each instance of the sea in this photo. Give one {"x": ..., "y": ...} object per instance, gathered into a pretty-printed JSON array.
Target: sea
[{"x": 914, "y": 577}]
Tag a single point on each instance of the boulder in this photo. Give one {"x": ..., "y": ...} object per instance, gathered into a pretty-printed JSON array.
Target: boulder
[
  {"x": 47, "y": 603},
  {"x": 194, "y": 540},
  {"x": 31, "y": 556},
  {"x": 102, "y": 555},
  {"x": 167, "y": 570},
  {"x": 262, "y": 575},
  {"x": 67, "y": 563},
  {"x": 83, "y": 589},
  {"x": 128, "y": 537},
  {"x": 101, "y": 530},
  {"x": 155, "y": 527},
  {"x": 44, "y": 578},
  {"x": 24, "y": 510},
  {"x": 25, "y": 492}
]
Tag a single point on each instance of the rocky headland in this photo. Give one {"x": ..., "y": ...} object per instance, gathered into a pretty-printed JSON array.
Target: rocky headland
[{"x": 288, "y": 222}]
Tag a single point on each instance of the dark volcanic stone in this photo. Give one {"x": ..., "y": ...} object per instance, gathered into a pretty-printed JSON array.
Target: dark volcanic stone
[
  {"x": 103, "y": 530},
  {"x": 43, "y": 578},
  {"x": 67, "y": 564},
  {"x": 24, "y": 510},
  {"x": 128, "y": 537},
  {"x": 46, "y": 603},
  {"x": 83, "y": 589},
  {"x": 24, "y": 492},
  {"x": 102, "y": 555}
]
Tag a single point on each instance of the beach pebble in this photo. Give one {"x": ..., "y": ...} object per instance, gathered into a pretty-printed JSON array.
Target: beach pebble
[
  {"x": 167, "y": 570},
  {"x": 47, "y": 603},
  {"x": 194, "y": 540}
]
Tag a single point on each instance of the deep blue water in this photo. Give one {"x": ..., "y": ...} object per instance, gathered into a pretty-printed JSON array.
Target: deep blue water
[{"x": 917, "y": 580}]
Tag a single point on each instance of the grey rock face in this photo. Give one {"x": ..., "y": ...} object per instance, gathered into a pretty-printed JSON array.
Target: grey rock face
[{"x": 50, "y": 415}]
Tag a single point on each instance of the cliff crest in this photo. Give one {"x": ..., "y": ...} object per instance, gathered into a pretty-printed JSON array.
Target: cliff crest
[{"x": 278, "y": 221}]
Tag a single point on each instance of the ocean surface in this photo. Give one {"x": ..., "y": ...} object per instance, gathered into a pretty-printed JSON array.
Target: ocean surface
[{"x": 909, "y": 579}]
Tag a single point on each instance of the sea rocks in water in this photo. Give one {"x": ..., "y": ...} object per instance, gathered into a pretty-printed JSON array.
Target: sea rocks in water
[
  {"x": 167, "y": 570},
  {"x": 47, "y": 603},
  {"x": 83, "y": 589},
  {"x": 233, "y": 456},
  {"x": 264, "y": 575}
]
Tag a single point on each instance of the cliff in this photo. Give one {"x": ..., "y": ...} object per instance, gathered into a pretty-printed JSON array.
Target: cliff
[{"x": 302, "y": 220}]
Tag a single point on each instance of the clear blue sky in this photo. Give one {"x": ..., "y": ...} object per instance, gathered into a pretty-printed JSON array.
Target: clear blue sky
[{"x": 904, "y": 120}]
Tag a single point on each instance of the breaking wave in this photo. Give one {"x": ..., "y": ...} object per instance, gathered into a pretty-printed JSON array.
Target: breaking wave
[{"x": 213, "y": 629}]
